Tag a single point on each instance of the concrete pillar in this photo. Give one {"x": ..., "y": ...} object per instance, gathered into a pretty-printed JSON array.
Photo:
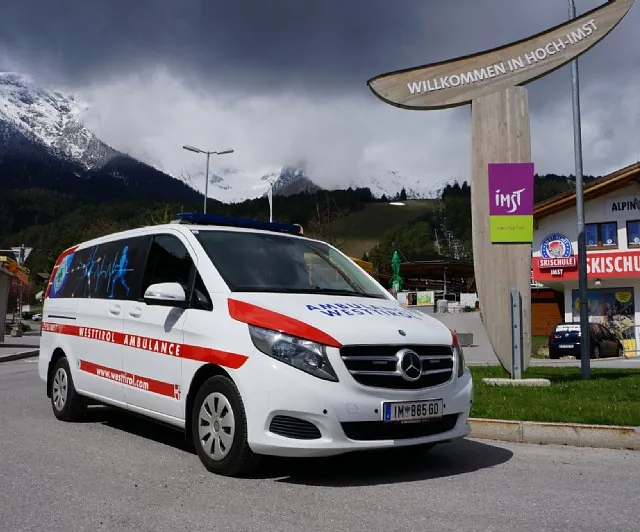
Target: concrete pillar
[{"x": 500, "y": 134}]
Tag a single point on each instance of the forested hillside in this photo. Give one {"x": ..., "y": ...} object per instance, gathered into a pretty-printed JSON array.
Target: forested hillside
[
  {"x": 417, "y": 239},
  {"x": 51, "y": 220}
]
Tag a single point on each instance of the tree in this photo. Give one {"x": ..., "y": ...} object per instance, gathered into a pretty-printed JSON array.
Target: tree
[
  {"x": 412, "y": 241},
  {"x": 403, "y": 195},
  {"x": 101, "y": 227},
  {"x": 323, "y": 223},
  {"x": 164, "y": 218}
]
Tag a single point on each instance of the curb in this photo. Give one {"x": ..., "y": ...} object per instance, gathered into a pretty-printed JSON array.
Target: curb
[
  {"x": 19, "y": 356},
  {"x": 575, "y": 434}
]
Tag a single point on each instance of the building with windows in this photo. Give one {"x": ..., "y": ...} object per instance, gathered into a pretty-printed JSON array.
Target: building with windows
[
  {"x": 5, "y": 276},
  {"x": 612, "y": 232}
]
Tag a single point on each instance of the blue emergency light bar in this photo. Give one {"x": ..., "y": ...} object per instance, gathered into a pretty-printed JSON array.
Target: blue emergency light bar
[{"x": 214, "y": 219}]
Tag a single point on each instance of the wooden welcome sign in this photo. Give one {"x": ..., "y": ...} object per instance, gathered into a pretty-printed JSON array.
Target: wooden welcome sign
[
  {"x": 493, "y": 83},
  {"x": 460, "y": 81}
]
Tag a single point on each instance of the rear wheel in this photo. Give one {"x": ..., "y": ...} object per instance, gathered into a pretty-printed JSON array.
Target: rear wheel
[
  {"x": 219, "y": 428},
  {"x": 620, "y": 352},
  {"x": 596, "y": 352},
  {"x": 66, "y": 403}
]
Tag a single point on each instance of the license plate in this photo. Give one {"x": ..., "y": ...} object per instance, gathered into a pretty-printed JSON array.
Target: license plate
[
  {"x": 566, "y": 346},
  {"x": 412, "y": 410}
]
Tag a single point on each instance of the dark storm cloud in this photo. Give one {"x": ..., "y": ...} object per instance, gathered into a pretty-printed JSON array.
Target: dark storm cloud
[{"x": 313, "y": 45}]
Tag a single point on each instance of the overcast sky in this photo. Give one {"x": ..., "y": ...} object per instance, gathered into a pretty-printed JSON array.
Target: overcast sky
[{"x": 284, "y": 81}]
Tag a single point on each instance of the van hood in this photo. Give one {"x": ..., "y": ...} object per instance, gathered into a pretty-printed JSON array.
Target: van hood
[{"x": 344, "y": 319}]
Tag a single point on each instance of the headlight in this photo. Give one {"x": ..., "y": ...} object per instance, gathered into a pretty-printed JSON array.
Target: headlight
[
  {"x": 305, "y": 355},
  {"x": 458, "y": 354}
]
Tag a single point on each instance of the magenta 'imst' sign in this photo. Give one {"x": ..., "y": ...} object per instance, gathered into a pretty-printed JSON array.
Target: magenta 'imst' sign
[
  {"x": 511, "y": 202},
  {"x": 510, "y": 189}
]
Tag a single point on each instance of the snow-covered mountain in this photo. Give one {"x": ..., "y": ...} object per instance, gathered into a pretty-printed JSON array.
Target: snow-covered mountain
[
  {"x": 33, "y": 118},
  {"x": 232, "y": 185},
  {"x": 48, "y": 118}
]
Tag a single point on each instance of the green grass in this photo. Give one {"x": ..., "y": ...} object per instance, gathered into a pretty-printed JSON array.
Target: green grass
[
  {"x": 361, "y": 231},
  {"x": 610, "y": 397}
]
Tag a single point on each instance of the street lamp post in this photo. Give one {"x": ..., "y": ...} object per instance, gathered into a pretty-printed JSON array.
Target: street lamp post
[
  {"x": 582, "y": 252},
  {"x": 270, "y": 198},
  {"x": 208, "y": 154}
]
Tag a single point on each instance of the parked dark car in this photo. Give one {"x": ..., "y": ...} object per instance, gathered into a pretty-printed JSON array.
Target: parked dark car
[{"x": 564, "y": 340}]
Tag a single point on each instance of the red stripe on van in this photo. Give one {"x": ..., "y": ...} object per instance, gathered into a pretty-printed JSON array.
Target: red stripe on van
[
  {"x": 267, "y": 319},
  {"x": 154, "y": 345},
  {"x": 134, "y": 381}
]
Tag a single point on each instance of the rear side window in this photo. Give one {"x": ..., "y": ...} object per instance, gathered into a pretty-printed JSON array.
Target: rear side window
[
  {"x": 68, "y": 281},
  {"x": 112, "y": 270}
]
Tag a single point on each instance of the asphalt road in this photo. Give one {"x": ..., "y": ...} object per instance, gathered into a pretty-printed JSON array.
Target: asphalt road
[{"x": 117, "y": 473}]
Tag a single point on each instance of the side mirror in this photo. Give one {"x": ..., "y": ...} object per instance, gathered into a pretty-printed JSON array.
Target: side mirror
[{"x": 166, "y": 294}]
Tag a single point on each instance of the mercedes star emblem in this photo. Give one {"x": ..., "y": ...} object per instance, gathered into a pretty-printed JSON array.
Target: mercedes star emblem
[{"x": 409, "y": 365}]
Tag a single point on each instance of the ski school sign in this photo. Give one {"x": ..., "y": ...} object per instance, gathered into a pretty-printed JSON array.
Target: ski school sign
[{"x": 603, "y": 265}]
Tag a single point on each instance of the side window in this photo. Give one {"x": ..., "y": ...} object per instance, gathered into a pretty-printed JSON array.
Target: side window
[
  {"x": 69, "y": 279},
  {"x": 633, "y": 233},
  {"x": 113, "y": 270},
  {"x": 168, "y": 262}
]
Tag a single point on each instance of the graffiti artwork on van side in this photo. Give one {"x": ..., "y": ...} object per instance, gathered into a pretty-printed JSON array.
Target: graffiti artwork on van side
[
  {"x": 102, "y": 274},
  {"x": 102, "y": 271}
]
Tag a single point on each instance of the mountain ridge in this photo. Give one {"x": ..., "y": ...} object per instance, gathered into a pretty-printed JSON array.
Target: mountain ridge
[{"x": 34, "y": 120}]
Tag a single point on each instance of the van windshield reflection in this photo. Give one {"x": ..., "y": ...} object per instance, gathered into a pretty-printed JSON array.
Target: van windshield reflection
[{"x": 269, "y": 262}]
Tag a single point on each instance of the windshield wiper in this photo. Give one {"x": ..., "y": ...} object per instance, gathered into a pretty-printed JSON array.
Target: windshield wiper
[{"x": 331, "y": 291}]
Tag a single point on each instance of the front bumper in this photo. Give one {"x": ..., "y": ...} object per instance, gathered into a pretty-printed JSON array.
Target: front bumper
[{"x": 346, "y": 416}]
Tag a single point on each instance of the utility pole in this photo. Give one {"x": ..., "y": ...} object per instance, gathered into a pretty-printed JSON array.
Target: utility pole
[{"x": 585, "y": 363}]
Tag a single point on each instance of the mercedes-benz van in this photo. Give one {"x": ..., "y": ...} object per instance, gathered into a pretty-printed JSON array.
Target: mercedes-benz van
[{"x": 252, "y": 338}]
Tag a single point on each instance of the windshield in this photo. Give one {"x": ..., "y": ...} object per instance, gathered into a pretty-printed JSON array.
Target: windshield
[{"x": 266, "y": 262}]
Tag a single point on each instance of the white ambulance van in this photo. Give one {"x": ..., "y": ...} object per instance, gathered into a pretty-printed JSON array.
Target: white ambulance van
[{"x": 251, "y": 338}]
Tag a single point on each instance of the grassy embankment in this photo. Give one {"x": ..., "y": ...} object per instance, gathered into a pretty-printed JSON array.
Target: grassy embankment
[{"x": 610, "y": 397}]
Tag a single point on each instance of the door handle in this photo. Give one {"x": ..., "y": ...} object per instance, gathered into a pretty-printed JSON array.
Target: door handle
[
  {"x": 115, "y": 310},
  {"x": 136, "y": 313}
]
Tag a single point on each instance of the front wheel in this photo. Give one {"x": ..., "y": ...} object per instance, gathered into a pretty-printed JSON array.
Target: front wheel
[
  {"x": 219, "y": 428},
  {"x": 596, "y": 352}
]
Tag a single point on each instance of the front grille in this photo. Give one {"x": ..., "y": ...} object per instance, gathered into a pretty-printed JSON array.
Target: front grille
[
  {"x": 376, "y": 365},
  {"x": 292, "y": 427},
  {"x": 380, "y": 430}
]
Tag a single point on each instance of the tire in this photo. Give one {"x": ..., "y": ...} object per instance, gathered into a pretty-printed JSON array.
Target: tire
[
  {"x": 596, "y": 352},
  {"x": 67, "y": 405},
  {"x": 228, "y": 455},
  {"x": 620, "y": 352}
]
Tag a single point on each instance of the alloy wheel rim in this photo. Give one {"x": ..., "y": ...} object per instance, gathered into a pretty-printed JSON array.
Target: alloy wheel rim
[
  {"x": 216, "y": 426},
  {"x": 60, "y": 389}
]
